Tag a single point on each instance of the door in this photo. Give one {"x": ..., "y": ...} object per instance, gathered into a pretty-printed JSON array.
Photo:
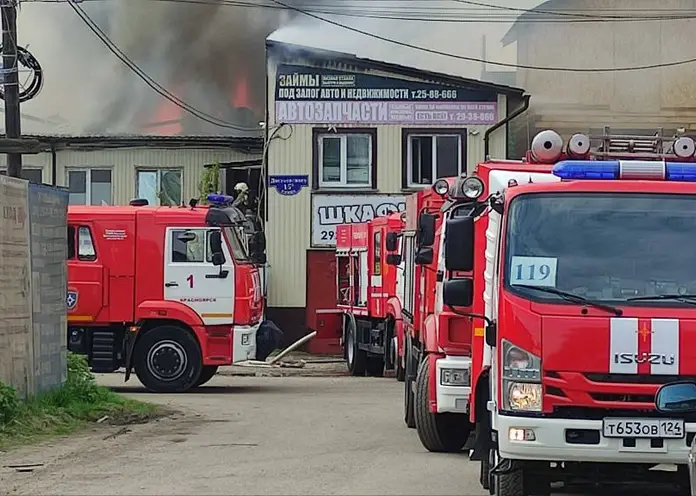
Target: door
[{"x": 191, "y": 278}]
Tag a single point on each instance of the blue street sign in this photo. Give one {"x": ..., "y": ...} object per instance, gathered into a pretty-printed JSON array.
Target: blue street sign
[{"x": 288, "y": 185}]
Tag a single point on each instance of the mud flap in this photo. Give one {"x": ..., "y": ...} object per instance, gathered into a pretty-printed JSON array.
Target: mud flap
[
  {"x": 130, "y": 339},
  {"x": 268, "y": 339}
]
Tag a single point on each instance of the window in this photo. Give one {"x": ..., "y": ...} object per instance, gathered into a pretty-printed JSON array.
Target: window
[
  {"x": 238, "y": 250},
  {"x": 32, "y": 175},
  {"x": 345, "y": 160},
  {"x": 429, "y": 156},
  {"x": 89, "y": 186},
  {"x": 159, "y": 186},
  {"x": 85, "y": 244},
  {"x": 191, "y": 250},
  {"x": 377, "y": 270}
]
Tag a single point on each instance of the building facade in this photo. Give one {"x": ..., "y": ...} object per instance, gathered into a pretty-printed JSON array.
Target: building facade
[
  {"x": 347, "y": 139},
  {"x": 113, "y": 170},
  {"x": 628, "y": 101}
]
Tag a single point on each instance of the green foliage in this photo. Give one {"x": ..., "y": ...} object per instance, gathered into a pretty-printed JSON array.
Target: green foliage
[
  {"x": 210, "y": 182},
  {"x": 9, "y": 403},
  {"x": 63, "y": 409}
]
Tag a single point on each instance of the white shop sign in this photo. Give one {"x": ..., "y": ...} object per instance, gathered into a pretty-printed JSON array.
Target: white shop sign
[{"x": 328, "y": 211}]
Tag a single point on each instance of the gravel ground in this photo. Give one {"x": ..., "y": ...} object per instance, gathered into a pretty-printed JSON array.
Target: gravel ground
[{"x": 248, "y": 433}]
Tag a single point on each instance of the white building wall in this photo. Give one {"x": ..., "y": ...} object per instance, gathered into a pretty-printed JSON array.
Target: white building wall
[{"x": 124, "y": 163}]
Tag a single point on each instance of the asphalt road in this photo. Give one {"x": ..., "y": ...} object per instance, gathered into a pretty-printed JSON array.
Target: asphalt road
[{"x": 252, "y": 435}]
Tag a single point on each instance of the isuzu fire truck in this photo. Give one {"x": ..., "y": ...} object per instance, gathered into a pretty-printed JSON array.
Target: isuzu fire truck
[
  {"x": 170, "y": 292},
  {"x": 575, "y": 270},
  {"x": 369, "y": 281}
]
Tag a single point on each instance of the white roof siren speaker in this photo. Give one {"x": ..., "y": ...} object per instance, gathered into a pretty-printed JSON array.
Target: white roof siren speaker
[
  {"x": 547, "y": 146},
  {"x": 684, "y": 147},
  {"x": 579, "y": 145}
]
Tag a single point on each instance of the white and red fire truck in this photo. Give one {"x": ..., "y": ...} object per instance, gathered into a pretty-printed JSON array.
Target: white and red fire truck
[
  {"x": 368, "y": 282},
  {"x": 573, "y": 269},
  {"x": 171, "y": 292}
]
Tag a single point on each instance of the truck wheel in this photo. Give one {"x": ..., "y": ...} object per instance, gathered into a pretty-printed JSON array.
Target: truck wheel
[
  {"x": 355, "y": 357},
  {"x": 375, "y": 366},
  {"x": 207, "y": 373},
  {"x": 409, "y": 414},
  {"x": 167, "y": 359},
  {"x": 508, "y": 484},
  {"x": 438, "y": 432}
]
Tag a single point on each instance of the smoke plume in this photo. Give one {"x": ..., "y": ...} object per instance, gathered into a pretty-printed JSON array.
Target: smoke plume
[{"x": 210, "y": 55}]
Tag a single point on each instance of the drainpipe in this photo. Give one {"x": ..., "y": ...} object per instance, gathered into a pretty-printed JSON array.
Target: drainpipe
[
  {"x": 54, "y": 164},
  {"x": 499, "y": 124}
]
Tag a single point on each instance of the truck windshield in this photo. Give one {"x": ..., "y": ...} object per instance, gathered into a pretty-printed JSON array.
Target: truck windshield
[
  {"x": 238, "y": 251},
  {"x": 604, "y": 247}
]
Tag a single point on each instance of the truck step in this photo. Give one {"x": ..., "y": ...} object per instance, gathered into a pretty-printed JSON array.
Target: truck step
[{"x": 104, "y": 350}]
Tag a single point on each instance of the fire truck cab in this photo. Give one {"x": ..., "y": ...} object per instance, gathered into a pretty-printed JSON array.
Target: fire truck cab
[
  {"x": 574, "y": 267},
  {"x": 367, "y": 295},
  {"x": 171, "y": 292}
]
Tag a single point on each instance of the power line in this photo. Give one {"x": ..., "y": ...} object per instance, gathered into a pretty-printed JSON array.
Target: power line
[
  {"x": 480, "y": 60},
  {"x": 147, "y": 79},
  {"x": 427, "y": 14}
]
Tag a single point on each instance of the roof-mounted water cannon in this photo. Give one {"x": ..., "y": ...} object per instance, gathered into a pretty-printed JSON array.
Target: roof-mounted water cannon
[{"x": 547, "y": 147}]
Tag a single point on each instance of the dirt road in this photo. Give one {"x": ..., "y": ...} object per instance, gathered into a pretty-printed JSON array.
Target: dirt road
[{"x": 253, "y": 435}]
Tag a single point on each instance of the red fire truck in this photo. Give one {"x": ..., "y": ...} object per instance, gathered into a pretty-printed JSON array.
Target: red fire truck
[
  {"x": 574, "y": 269},
  {"x": 171, "y": 292},
  {"x": 367, "y": 283}
]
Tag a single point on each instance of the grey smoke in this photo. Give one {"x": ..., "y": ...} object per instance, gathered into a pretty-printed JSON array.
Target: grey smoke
[{"x": 199, "y": 52}]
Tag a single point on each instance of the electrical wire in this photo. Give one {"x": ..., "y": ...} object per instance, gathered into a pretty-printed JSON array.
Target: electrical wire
[
  {"x": 426, "y": 14},
  {"x": 484, "y": 61},
  {"x": 148, "y": 80},
  {"x": 26, "y": 59}
]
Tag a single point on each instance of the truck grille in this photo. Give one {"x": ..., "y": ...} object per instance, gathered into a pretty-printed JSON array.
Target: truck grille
[{"x": 595, "y": 396}]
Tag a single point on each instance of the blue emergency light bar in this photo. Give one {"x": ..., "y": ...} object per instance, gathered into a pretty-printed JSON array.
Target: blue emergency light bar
[
  {"x": 650, "y": 170},
  {"x": 219, "y": 199}
]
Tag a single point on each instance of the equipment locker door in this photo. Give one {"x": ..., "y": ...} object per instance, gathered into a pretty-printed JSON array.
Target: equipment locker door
[{"x": 191, "y": 278}]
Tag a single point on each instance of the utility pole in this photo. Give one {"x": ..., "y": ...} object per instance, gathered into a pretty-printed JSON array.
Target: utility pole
[{"x": 10, "y": 66}]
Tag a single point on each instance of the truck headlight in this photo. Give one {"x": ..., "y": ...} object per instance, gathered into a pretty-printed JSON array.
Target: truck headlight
[
  {"x": 521, "y": 379},
  {"x": 519, "y": 364},
  {"x": 455, "y": 377},
  {"x": 523, "y": 396}
]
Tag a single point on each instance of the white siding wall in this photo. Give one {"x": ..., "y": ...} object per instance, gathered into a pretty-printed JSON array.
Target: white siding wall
[
  {"x": 124, "y": 162},
  {"x": 289, "y": 217}
]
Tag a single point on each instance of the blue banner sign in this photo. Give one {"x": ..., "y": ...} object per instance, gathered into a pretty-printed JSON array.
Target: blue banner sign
[{"x": 288, "y": 185}]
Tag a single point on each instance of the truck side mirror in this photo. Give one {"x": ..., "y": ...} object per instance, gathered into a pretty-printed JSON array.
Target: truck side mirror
[
  {"x": 458, "y": 292},
  {"x": 186, "y": 236},
  {"x": 425, "y": 236},
  {"x": 424, "y": 256},
  {"x": 259, "y": 258},
  {"x": 215, "y": 240},
  {"x": 392, "y": 241},
  {"x": 258, "y": 242},
  {"x": 459, "y": 244},
  {"x": 393, "y": 259},
  {"x": 676, "y": 398}
]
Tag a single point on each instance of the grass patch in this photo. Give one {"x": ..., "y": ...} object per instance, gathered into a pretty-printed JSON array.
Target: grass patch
[{"x": 78, "y": 402}]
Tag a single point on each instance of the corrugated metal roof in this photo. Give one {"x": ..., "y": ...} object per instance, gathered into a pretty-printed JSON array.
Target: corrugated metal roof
[
  {"x": 329, "y": 55},
  {"x": 339, "y": 43},
  {"x": 63, "y": 141}
]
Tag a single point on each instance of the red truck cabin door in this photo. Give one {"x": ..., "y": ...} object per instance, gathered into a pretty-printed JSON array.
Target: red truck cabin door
[{"x": 191, "y": 278}]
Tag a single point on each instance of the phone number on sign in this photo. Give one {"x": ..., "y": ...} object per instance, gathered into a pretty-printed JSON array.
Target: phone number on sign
[
  {"x": 434, "y": 94},
  {"x": 455, "y": 116}
]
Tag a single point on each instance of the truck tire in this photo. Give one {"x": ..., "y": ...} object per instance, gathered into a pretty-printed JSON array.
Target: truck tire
[
  {"x": 375, "y": 366},
  {"x": 438, "y": 432},
  {"x": 409, "y": 414},
  {"x": 355, "y": 357},
  {"x": 207, "y": 373},
  {"x": 167, "y": 359},
  {"x": 508, "y": 484}
]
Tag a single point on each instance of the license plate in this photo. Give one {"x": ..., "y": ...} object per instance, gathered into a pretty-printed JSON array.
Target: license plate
[{"x": 644, "y": 428}]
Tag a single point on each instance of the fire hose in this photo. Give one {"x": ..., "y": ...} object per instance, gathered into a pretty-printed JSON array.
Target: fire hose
[{"x": 28, "y": 61}]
